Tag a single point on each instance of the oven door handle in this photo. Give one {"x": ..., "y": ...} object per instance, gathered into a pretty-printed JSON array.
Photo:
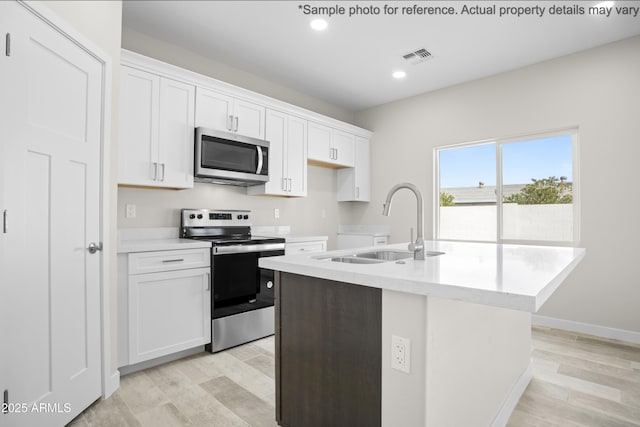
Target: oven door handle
[{"x": 241, "y": 249}]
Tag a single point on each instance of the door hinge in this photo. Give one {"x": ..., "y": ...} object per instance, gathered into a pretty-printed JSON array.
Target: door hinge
[
  {"x": 5, "y": 400},
  {"x": 7, "y": 41}
]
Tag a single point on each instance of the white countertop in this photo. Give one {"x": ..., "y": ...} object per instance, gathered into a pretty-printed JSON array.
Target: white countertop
[
  {"x": 520, "y": 277},
  {"x": 154, "y": 239}
]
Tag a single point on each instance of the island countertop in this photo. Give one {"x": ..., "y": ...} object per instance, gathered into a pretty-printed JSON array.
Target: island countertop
[{"x": 519, "y": 277}]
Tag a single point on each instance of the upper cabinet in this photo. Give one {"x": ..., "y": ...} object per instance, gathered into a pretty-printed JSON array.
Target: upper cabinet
[
  {"x": 329, "y": 146},
  {"x": 223, "y": 112},
  {"x": 161, "y": 105},
  {"x": 354, "y": 183},
  {"x": 156, "y": 130},
  {"x": 287, "y": 136}
]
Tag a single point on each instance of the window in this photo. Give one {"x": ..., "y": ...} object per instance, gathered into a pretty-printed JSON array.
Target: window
[{"x": 509, "y": 190}]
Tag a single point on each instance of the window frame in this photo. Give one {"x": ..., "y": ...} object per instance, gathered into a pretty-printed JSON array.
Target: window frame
[{"x": 499, "y": 143}]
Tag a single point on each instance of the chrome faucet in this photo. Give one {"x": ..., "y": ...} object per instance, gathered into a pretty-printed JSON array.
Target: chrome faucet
[{"x": 418, "y": 246}]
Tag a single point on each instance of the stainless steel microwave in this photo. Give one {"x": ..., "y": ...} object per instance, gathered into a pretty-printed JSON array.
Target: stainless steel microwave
[{"x": 228, "y": 158}]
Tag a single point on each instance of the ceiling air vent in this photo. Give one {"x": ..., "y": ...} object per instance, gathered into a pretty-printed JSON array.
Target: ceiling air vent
[{"x": 417, "y": 56}]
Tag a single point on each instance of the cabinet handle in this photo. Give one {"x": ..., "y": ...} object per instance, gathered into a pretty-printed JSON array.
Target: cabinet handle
[
  {"x": 162, "y": 176},
  {"x": 357, "y": 192},
  {"x": 331, "y": 154},
  {"x": 230, "y": 123},
  {"x": 289, "y": 184},
  {"x": 173, "y": 260},
  {"x": 235, "y": 128},
  {"x": 154, "y": 175},
  {"x": 336, "y": 154},
  {"x": 284, "y": 184},
  {"x": 5, "y": 221}
]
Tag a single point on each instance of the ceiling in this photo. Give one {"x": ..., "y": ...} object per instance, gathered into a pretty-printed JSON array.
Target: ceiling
[{"x": 350, "y": 63}]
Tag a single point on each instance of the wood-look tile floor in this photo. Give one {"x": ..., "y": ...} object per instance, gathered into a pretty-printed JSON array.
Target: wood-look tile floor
[{"x": 578, "y": 380}]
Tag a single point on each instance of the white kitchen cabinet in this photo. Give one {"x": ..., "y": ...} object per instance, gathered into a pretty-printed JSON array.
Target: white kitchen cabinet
[
  {"x": 165, "y": 306},
  {"x": 305, "y": 247},
  {"x": 287, "y": 136},
  {"x": 354, "y": 184},
  {"x": 219, "y": 111},
  {"x": 330, "y": 146},
  {"x": 156, "y": 130}
]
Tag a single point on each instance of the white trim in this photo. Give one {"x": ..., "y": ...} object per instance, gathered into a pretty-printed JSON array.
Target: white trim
[
  {"x": 111, "y": 385},
  {"x": 587, "y": 328},
  {"x": 513, "y": 398},
  {"x": 110, "y": 380}
]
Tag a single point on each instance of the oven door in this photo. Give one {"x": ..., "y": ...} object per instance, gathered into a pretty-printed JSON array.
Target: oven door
[{"x": 239, "y": 285}]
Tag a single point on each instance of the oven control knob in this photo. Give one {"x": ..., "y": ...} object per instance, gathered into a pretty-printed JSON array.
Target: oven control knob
[
  {"x": 192, "y": 216},
  {"x": 199, "y": 216},
  {"x": 239, "y": 216},
  {"x": 246, "y": 217},
  {"x": 269, "y": 284}
]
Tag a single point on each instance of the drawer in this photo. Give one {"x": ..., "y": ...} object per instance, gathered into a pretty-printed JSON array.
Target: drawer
[
  {"x": 158, "y": 261},
  {"x": 305, "y": 247}
]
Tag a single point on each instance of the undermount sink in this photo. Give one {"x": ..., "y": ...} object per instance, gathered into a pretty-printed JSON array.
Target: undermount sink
[
  {"x": 375, "y": 257},
  {"x": 385, "y": 255}
]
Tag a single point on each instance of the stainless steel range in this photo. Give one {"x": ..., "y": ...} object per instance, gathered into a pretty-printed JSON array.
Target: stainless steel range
[{"x": 242, "y": 293}]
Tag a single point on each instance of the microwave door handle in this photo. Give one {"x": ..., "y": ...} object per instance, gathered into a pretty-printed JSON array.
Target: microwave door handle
[{"x": 259, "y": 169}]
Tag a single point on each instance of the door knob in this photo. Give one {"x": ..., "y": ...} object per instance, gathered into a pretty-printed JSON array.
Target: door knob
[{"x": 93, "y": 248}]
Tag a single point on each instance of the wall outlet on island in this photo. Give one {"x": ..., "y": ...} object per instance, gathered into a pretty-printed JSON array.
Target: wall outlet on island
[{"x": 401, "y": 353}]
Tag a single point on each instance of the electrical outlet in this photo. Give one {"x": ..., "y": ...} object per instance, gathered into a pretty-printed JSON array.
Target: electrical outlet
[
  {"x": 130, "y": 211},
  {"x": 276, "y": 213},
  {"x": 401, "y": 354}
]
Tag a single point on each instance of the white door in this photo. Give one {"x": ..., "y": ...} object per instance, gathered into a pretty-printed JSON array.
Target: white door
[
  {"x": 297, "y": 156},
  {"x": 51, "y": 162},
  {"x": 175, "y": 137},
  {"x": 319, "y": 143},
  {"x": 214, "y": 110},
  {"x": 275, "y": 134},
  {"x": 344, "y": 148},
  {"x": 248, "y": 119},
  {"x": 138, "y": 146}
]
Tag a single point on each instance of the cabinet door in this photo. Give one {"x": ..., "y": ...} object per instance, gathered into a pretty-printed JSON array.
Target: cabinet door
[
  {"x": 343, "y": 148},
  {"x": 248, "y": 119},
  {"x": 275, "y": 133},
  {"x": 319, "y": 143},
  {"x": 175, "y": 153},
  {"x": 214, "y": 110},
  {"x": 168, "y": 312},
  {"x": 138, "y": 147},
  {"x": 296, "y": 155},
  {"x": 362, "y": 170}
]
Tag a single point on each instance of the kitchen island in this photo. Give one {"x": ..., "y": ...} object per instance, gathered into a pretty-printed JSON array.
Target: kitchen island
[{"x": 456, "y": 326}]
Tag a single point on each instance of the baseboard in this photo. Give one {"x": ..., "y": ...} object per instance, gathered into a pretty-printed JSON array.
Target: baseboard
[
  {"x": 111, "y": 385},
  {"x": 129, "y": 369},
  {"x": 513, "y": 398},
  {"x": 587, "y": 328}
]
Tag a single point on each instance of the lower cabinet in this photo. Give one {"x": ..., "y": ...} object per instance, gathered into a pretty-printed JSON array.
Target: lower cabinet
[{"x": 167, "y": 308}]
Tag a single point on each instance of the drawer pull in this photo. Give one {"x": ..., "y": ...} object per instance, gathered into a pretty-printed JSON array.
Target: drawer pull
[{"x": 173, "y": 260}]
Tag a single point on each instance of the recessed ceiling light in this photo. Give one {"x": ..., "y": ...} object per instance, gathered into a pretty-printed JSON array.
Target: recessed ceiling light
[
  {"x": 605, "y": 4},
  {"x": 399, "y": 74},
  {"x": 319, "y": 24}
]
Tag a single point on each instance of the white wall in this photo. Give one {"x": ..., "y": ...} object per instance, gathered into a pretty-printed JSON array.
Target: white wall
[
  {"x": 100, "y": 22},
  {"x": 596, "y": 90}
]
